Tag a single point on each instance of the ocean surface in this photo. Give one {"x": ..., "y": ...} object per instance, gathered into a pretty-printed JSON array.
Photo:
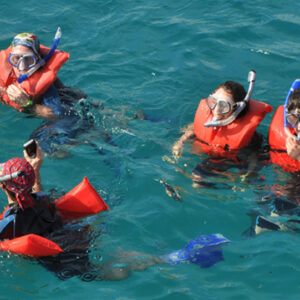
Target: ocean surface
[{"x": 160, "y": 57}]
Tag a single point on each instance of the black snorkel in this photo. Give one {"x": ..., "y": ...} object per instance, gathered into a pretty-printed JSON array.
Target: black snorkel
[
  {"x": 240, "y": 105},
  {"x": 43, "y": 60}
]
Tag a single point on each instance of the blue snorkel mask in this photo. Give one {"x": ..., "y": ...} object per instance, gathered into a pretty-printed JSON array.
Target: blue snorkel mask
[
  {"x": 43, "y": 60},
  {"x": 294, "y": 86},
  {"x": 240, "y": 106}
]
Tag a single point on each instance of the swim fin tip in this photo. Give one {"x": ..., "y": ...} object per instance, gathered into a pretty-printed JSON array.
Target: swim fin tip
[{"x": 205, "y": 251}]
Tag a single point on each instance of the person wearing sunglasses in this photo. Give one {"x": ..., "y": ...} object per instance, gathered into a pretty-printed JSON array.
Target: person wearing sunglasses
[
  {"x": 225, "y": 121},
  {"x": 284, "y": 133},
  {"x": 28, "y": 80}
]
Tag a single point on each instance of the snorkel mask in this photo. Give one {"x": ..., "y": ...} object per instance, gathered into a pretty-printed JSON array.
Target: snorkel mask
[
  {"x": 239, "y": 105},
  {"x": 18, "y": 40},
  {"x": 295, "y": 85},
  {"x": 28, "y": 60}
]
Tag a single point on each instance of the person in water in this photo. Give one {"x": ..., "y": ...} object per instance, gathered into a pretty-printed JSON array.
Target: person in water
[
  {"x": 284, "y": 151},
  {"x": 29, "y": 83},
  {"x": 284, "y": 133},
  {"x": 225, "y": 123},
  {"x": 28, "y": 210},
  {"x": 28, "y": 80},
  {"x": 219, "y": 120},
  {"x": 293, "y": 117}
]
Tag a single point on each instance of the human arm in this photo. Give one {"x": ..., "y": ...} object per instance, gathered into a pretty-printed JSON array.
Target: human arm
[
  {"x": 43, "y": 111},
  {"x": 293, "y": 148},
  {"x": 177, "y": 148},
  {"x": 119, "y": 269},
  {"x": 17, "y": 95},
  {"x": 36, "y": 163}
]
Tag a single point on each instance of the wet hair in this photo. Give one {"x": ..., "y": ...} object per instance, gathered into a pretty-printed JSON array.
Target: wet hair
[
  {"x": 235, "y": 89},
  {"x": 238, "y": 93},
  {"x": 294, "y": 100}
]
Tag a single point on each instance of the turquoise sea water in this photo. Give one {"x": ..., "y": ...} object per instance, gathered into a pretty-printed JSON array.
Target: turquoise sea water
[{"x": 161, "y": 57}]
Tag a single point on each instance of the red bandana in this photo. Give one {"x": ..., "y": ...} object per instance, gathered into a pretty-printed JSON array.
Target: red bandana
[{"x": 22, "y": 185}]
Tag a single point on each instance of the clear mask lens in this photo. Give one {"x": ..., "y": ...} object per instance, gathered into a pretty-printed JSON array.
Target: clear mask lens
[
  {"x": 28, "y": 60},
  {"x": 224, "y": 105},
  {"x": 292, "y": 119}
]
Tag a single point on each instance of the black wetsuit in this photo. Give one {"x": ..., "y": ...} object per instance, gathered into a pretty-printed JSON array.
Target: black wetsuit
[
  {"x": 41, "y": 219},
  {"x": 74, "y": 261}
]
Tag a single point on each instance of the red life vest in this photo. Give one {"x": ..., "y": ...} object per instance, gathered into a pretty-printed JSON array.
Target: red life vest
[
  {"x": 277, "y": 142},
  {"x": 31, "y": 245},
  {"x": 83, "y": 200},
  {"x": 226, "y": 140},
  {"x": 38, "y": 83}
]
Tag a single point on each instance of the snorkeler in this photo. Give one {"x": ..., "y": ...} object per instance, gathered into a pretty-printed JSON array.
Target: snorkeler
[
  {"x": 225, "y": 126},
  {"x": 28, "y": 210},
  {"x": 29, "y": 83},
  {"x": 284, "y": 151},
  {"x": 285, "y": 131},
  {"x": 225, "y": 121},
  {"x": 28, "y": 77},
  {"x": 31, "y": 212}
]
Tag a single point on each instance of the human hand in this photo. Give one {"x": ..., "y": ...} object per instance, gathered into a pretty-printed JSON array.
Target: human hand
[
  {"x": 43, "y": 111},
  {"x": 37, "y": 160},
  {"x": 177, "y": 150},
  {"x": 17, "y": 94},
  {"x": 36, "y": 163},
  {"x": 293, "y": 148}
]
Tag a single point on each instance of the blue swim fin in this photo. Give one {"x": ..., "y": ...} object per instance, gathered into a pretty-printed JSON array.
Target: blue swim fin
[{"x": 205, "y": 251}]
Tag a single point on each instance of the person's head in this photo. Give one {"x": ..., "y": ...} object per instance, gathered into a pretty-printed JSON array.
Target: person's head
[
  {"x": 19, "y": 189},
  {"x": 25, "y": 52},
  {"x": 222, "y": 101},
  {"x": 293, "y": 110}
]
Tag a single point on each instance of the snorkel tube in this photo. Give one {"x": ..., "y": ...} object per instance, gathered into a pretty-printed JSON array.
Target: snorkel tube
[
  {"x": 43, "y": 60},
  {"x": 12, "y": 176},
  {"x": 294, "y": 86},
  {"x": 240, "y": 105}
]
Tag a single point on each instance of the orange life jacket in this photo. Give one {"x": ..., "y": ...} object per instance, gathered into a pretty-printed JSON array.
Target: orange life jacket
[
  {"x": 232, "y": 137},
  {"x": 38, "y": 83},
  {"x": 277, "y": 142},
  {"x": 83, "y": 200}
]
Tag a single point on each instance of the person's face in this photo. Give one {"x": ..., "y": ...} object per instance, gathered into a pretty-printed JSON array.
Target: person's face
[
  {"x": 294, "y": 118},
  {"x": 23, "y": 65},
  {"x": 227, "y": 105}
]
